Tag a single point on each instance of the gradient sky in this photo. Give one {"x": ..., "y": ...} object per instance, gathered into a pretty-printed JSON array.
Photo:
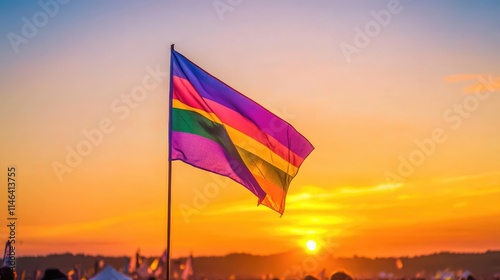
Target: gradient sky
[{"x": 364, "y": 118}]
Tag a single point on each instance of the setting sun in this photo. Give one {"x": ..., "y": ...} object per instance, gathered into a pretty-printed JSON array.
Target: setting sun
[{"x": 311, "y": 245}]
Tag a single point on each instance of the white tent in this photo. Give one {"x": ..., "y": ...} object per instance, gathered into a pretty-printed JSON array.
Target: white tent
[{"x": 109, "y": 273}]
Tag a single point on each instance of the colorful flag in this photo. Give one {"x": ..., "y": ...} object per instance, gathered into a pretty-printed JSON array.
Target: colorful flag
[
  {"x": 154, "y": 265},
  {"x": 188, "y": 269},
  {"x": 143, "y": 269},
  {"x": 218, "y": 129},
  {"x": 6, "y": 254},
  {"x": 158, "y": 263},
  {"x": 158, "y": 272},
  {"x": 163, "y": 257}
]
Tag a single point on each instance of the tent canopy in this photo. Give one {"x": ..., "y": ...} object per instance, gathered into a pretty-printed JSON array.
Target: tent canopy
[{"x": 109, "y": 273}]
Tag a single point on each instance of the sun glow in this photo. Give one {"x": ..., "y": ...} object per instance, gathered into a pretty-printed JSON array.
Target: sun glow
[{"x": 311, "y": 245}]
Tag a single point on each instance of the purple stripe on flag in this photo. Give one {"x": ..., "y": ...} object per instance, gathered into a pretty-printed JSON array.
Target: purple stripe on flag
[{"x": 206, "y": 154}]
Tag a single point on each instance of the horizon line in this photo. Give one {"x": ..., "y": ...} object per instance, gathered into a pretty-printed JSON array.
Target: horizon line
[{"x": 269, "y": 255}]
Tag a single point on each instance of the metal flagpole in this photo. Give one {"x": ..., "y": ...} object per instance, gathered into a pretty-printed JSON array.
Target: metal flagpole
[{"x": 169, "y": 184}]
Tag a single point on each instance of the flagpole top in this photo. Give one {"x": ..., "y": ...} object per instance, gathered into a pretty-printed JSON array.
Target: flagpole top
[{"x": 172, "y": 46}]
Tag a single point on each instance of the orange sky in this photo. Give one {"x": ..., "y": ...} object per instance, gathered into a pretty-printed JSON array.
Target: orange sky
[{"x": 415, "y": 82}]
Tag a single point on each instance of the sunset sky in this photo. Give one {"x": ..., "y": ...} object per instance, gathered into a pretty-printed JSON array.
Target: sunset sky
[{"x": 382, "y": 89}]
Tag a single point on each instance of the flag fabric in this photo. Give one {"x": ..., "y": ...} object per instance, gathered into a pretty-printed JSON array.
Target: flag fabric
[
  {"x": 132, "y": 264},
  {"x": 143, "y": 269},
  {"x": 6, "y": 254},
  {"x": 162, "y": 261},
  {"x": 158, "y": 272},
  {"x": 163, "y": 257},
  {"x": 188, "y": 269},
  {"x": 78, "y": 271},
  {"x": 218, "y": 129},
  {"x": 154, "y": 265}
]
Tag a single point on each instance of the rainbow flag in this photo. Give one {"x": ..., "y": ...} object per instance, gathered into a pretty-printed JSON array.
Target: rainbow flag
[{"x": 218, "y": 129}]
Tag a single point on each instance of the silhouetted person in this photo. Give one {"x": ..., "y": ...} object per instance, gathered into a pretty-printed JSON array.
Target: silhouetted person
[
  {"x": 340, "y": 275},
  {"x": 309, "y": 277},
  {"x": 471, "y": 277},
  {"x": 467, "y": 276},
  {"x": 6, "y": 273},
  {"x": 54, "y": 274}
]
